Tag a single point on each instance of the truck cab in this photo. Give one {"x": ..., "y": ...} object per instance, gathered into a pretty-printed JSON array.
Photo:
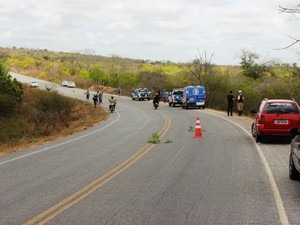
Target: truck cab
[
  {"x": 175, "y": 97},
  {"x": 140, "y": 94}
]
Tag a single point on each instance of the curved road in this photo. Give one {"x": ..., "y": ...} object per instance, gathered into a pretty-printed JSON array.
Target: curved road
[{"x": 109, "y": 174}]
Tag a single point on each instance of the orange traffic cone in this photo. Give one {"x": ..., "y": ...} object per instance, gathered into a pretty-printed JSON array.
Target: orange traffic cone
[{"x": 198, "y": 130}]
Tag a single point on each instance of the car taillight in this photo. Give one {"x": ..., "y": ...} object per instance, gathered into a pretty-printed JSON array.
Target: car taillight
[{"x": 261, "y": 120}]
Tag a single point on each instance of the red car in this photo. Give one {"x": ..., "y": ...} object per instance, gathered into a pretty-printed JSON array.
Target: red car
[{"x": 275, "y": 117}]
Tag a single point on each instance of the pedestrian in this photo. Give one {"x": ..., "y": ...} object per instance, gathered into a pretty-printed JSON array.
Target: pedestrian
[
  {"x": 100, "y": 97},
  {"x": 97, "y": 96},
  {"x": 230, "y": 100},
  {"x": 87, "y": 94},
  {"x": 240, "y": 103},
  {"x": 95, "y": 99},
  {"x": 119, "y": 91}
]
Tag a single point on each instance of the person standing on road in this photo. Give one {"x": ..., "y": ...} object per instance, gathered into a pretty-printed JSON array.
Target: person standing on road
[
  {"x": 240, "y": 103},
  {"x": 95, "y": 99},
  {"x": 230, "y": 100},
  {"x": 87, "y": 94}
]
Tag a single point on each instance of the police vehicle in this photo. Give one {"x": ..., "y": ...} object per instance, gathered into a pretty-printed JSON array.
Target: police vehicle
[{"x": 194, "y": 97}]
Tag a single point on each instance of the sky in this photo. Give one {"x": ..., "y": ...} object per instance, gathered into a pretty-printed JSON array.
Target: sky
[{"x": 158, "y": 30}]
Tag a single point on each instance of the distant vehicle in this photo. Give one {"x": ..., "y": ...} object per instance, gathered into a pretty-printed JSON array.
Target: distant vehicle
[
  {"x": 294, "y": 159},
  {"x": 140, "y": 94},
  {"x": 175, "y": 97},
  {"x": 34, "y": 84},
  {"x": 71, "y": 84},
  {"x": 275, "y": 117},
  {"x": 64, "y": 83},
  {"x": 194, "y": 97}
]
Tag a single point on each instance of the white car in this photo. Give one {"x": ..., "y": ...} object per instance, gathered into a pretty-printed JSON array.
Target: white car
[
  {"x": 71, "y": 84},
  {"x": 64, "y": 83},
  {"x": 34, "y": 84}
]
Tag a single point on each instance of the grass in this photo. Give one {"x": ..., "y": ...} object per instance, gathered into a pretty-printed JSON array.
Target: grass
[{"x": 154, "y": 139}]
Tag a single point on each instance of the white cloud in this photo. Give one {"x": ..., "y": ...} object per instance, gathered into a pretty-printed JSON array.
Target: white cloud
[{"x": 158, "y": 29}]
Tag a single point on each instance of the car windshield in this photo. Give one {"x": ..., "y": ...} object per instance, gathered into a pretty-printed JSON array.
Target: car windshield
[
  {"x": 281, "y": 108},
  {"x": 178, "y": 92}
]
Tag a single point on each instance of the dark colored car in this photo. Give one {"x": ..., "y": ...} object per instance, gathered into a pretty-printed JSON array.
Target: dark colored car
[
  {"x": 275, "y": 117},
  {"x": 294, "y": 160}
]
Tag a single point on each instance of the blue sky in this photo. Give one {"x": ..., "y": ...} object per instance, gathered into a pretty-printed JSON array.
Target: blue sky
[{"x": 175, "y": 30}]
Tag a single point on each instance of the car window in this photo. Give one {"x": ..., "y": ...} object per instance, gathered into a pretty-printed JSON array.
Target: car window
[
  {"x": 281, "y": 108},
  {"x": 178, "y": 92}
]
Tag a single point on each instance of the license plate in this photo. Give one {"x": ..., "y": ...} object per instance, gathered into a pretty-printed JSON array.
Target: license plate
[
  {"x": 281, "y": 122},
  {"x": 199, "y": 103}
]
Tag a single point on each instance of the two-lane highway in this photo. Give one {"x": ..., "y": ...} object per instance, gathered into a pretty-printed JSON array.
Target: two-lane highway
[{"x": 109, "y": 174}]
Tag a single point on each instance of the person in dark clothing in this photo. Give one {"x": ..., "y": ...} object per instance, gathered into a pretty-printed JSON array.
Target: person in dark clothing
[
  {"x": 95, "y": 99},
  {"x": 230, "y": 100}
]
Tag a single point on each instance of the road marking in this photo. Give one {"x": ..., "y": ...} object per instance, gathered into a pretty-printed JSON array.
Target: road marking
[
  {"x": 63, "y": 143},
  {"x": 76, "y": 197},
  {"x": 279, "y": 203}
]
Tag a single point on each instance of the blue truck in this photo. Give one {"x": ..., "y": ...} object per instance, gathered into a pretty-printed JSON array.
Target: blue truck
[{"x": 194, "y": 97}]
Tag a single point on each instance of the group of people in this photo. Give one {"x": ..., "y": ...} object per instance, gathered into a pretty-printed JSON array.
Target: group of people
[
  {"x": 239, "y": 103},
  {"x": 97, "y": 98}
]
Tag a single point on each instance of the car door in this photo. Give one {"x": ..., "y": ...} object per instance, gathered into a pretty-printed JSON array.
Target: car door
[{"x": 296, "y": 152}]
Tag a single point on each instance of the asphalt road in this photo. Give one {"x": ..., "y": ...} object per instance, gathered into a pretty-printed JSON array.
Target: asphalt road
[{"x": 109, "y": 174}]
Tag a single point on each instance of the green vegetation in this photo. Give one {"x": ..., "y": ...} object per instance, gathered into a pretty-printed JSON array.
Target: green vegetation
[
  {"x": 154, "y": 139},
  {"x": 258, "y": 79},
  {"x": 28, "y": 115},
  {"x": 168, "y": 141}
]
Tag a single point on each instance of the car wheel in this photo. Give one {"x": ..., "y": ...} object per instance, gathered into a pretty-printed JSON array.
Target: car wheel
[
  {"x": 256, "y": 136},
  {"x": 293, "y": 173}
]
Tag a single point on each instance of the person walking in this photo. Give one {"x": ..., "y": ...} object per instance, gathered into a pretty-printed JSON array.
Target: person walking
[
  {"x": 230, "y": 100},
  {"x": 100, "y": 96},
  {"x": 240, "y": 103},
  {"x": 87, "y": 94},
  {"x": 95, "y": 99}
]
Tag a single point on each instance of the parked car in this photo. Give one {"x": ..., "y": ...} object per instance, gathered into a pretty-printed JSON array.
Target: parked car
[
  {"x": 34, "y": 84},
  {"x": 71, "y": 84},
  {"x": 140, "y": 94},
  {"x": 175, "y": 97},
  {"x": 194, "y": 96},
  {"x": 275, "y": 117},
  {"x": 64, "y": 83},
  {"x": 294, "y": 159}
]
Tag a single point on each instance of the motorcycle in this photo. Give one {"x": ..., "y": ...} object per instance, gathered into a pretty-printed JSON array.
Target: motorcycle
[
  {"x": 155, "y": 104},
  {"x": 48, "y": 88},
  {"x": 112, "y": 107}
]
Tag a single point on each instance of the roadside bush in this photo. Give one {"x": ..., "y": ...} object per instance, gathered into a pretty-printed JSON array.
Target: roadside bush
[
  {"x": 50, "y": 111},
  {"x": 13, "y": 130}
]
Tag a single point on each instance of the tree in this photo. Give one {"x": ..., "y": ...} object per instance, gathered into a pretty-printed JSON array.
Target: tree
[
  {"x": 98, "y": 76},
  {"x": 11, "y": 92},
  {"x": 293, "y": 11},
  {"x": 201, "y": 66},
  {"x": 252, "y": 68}
]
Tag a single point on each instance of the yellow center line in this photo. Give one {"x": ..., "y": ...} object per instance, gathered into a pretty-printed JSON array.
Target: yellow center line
[{"x": 76, "y": 197}]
